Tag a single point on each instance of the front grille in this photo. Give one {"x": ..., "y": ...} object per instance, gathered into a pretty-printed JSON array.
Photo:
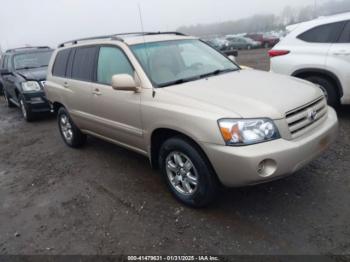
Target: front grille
[{"x": 304, "y": 118}]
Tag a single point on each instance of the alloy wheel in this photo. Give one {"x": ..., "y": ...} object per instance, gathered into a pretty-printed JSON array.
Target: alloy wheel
[
  {"x": 66, "y": 128},
  {"x": 23, "y": 109},
  {"x": 182, "y": 174}
]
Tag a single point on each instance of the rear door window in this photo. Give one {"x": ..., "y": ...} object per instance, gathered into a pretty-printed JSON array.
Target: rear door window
[
  {"x": 83, "y": 63},
  {"x": 112, "y": 61},
  {"x": 345, "y": 37},
  {"x": 328, "y": 33},
  {"x": 60, "y": 65}
]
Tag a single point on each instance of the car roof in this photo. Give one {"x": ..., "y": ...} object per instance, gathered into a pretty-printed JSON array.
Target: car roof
[
  {"x": 130, "y": 38},
  {"x": 28, "y": 49},
  {"x": 301, "y": 27}
]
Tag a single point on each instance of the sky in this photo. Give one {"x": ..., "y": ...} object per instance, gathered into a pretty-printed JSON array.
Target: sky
[{"x": 49, "y": 22}]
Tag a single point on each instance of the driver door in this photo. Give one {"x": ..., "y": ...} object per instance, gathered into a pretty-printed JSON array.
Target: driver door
[{"x": 117, "y": 113}]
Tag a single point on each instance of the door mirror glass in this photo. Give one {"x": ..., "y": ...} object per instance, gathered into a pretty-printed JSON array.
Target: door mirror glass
[{"x": 124, "y": 82}]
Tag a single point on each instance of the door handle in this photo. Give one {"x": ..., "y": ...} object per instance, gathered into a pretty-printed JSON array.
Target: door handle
[
  {"x": 96, "y": 92},
  {"x": 341, "y": 52},
  {"x": 65, "y": 84}
]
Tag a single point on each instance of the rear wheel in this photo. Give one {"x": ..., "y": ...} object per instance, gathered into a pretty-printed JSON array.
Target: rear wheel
[
  {"x": 70, "y": 133},
  {"x": 187, "y": 172},
  {"x": 328, "y": 87}
]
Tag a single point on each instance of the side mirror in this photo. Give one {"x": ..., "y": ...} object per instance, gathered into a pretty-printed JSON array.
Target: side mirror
[
  {"x": 232, "y": 58},
  {"x": 124, "y": 82},
  {"x": 5, "y": 72}
]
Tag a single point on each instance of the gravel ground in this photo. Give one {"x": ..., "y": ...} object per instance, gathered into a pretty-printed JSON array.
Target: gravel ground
[{"x": 103, "y": 199}]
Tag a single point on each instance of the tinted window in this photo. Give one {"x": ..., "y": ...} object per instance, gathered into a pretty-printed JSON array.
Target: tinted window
[
  {"x": 59, "y": 68},
  {"x": 112, "y": 61},
  {"x": 329, "y": 33},
  {"x": 345, "y": 37},
  {"x": 83, "y": 63}
]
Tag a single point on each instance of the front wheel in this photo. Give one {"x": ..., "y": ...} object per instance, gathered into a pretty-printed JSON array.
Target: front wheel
[
  {"x": 70, "y": 133},
  {"x": 7, "y": 99},
  {"x": 26, "y": 113},
  {"x": 187, "y": 172},
  {"x": 327, "y": 87}
]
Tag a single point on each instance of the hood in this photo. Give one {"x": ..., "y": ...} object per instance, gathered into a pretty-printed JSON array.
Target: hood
[
  {"x": 33, "y": 74},
  {"x": 250, "y": 93}
]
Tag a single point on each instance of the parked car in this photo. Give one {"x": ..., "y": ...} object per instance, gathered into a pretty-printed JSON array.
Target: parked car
[
  {"x": 24, "y": 73},
  {"x": 222, "y": 45},
  {"x": 265, "y": 40},
  {"x": 199, "y": 118},
  {"x": 239, "y": 42},
  {"x": 318, "y": 51}
]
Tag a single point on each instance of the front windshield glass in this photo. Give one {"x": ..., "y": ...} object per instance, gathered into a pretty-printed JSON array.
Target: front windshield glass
[
  {"x": 175, "y": 62},
  {"x": 32, "y": 60}
]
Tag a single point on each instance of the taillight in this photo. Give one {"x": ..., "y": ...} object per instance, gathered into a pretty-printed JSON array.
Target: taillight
[{"x": 273, "y": 53}]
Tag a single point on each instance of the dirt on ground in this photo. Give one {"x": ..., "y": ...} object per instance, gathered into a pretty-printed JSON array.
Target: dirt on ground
[{"x": 103, "y": 199}]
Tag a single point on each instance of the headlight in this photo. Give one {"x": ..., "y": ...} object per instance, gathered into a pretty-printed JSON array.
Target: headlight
[
  {"x": 31, "y": 86},
  {"x": 238, "y": 132}
]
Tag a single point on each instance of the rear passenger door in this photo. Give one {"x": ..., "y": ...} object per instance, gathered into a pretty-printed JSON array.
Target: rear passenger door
[
  {"x": 78, "y": 84},
  {"x": 117, "y": 113},
  {"x": 338, "y": 59}
]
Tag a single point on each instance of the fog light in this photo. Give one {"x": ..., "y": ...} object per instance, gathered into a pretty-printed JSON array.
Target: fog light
[{"x": 267, "y": 168}]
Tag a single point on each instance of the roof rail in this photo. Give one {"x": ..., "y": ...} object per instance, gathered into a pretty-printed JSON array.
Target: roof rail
[
  {"x": 117, "y": 37},
  {"x": 27, "y": 48}
]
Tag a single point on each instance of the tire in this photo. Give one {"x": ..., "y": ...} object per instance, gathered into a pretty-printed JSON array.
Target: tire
[
  {"x": 70, "y": 133},
  {"x": 328, "y": 87},
  {"x": 7, "y": 100},
  {"x": 26, "y": 113},
  {"x": 189, "y": 176}
]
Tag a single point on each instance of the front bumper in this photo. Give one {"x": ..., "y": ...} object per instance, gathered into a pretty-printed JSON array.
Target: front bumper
[
  {"x": 37, "y": 102},
  {"x": 248, "y": 165}
]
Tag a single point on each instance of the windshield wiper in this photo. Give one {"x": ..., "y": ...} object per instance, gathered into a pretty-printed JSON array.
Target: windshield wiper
[
  {"x": 217, "y": 72},
  {"x": 27, "y": 67},
  {"x": 179, "y": 81}
]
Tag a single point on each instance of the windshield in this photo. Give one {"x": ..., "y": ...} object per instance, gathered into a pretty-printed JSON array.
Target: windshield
[
  {"x": 32, "y": 60},
  {"x": 174, "y": 62}
]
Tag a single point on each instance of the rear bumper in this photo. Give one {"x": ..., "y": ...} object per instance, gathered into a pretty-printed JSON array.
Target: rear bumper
[{"x": 239, "y": 166}]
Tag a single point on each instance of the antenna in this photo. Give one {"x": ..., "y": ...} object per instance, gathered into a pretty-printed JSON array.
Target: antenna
[{"x": 145, "y": 46}]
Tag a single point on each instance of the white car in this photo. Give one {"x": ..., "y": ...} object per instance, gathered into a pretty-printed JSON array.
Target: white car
[{"x": 318, "y": 51}]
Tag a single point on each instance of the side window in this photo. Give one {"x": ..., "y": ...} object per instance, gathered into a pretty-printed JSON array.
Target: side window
[
  {"x": 60, "y": 65},
  {"x": 112, "y": 61},
  {"x": 329, "y": 33},
  {"x": 83, "y": 63},
  {"x": 4, "y": 62},
  {"x": 345, "y": 37}
]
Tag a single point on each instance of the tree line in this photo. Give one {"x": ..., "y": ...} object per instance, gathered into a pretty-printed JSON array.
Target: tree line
[{"x": 269, "y": 22}]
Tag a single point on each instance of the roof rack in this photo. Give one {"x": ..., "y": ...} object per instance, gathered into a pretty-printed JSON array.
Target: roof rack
[
  {"x": 27, "y": 48},
  {"x": 118, "y": 37}
]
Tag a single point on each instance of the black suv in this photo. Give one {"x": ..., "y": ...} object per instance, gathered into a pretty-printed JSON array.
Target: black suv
[{"x": 23, "y": 74}]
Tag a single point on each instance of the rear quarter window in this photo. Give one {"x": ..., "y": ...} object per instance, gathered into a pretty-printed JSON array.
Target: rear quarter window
[
  {"x": 345, "y": 37},
  {"x": 83, "y": 63},
  {"x": 60, "y": 64},
  {"x": 328, "y": 33}
]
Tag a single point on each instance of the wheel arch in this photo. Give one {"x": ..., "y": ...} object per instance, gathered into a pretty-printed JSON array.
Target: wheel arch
[
  {"x": 306, "y": 72},
  {"x": 160, "y": 135}
]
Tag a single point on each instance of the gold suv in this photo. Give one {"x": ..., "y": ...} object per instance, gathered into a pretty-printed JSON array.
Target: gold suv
[{"x": 199, "y": 118}]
